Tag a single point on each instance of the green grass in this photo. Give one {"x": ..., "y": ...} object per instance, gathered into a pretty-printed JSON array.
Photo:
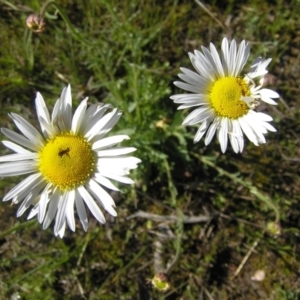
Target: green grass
[{"x": 128, "y": 53}]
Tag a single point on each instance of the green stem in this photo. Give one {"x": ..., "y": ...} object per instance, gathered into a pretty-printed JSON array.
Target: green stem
[
  {"x": 135, "y": 91},
  {"x": 65, "y": 18},
  {"x": 16, "y": 228},
  {"x": 178, "y": 241},
  {"x": 121, "y": 271},
  {"x": 171, "y": 185},
  {"x": 253, "y": 190}
]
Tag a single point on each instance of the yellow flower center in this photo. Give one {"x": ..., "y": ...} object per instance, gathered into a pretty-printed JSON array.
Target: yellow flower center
[
  {"x": 67, "y": 161},
  {"x": 225, "y": 97}
]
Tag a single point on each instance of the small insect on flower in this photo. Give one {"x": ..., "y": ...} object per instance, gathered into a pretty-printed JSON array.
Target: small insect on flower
[
  {"x": 225, "y": 100},
  {"x": 61, "y": 153},
  {"x": 69, "y": 164}
]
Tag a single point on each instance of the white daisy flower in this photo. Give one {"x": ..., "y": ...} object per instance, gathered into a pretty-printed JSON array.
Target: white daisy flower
[
  {"x": 68, "y": 164},
  {"x": 226, "y": 99}
]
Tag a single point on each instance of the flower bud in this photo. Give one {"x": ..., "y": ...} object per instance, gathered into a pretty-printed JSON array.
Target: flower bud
[
  {"x": 36, "y": 23},
  {"x": 274, "y": 228},
  {"x": 161, "y": 282}
]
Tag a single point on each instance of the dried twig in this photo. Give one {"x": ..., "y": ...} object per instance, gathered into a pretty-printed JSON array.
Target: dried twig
[
  {"x": 238, "y": 270},
  {"x": 288, "y": 158},
  {"x": 172, "y": 218},
  {"x": 241, "y": 220},
  {"x": 207, "y": 293},
  {"x": 210, "y": 14},
  {"x": 166, "y": 233}
]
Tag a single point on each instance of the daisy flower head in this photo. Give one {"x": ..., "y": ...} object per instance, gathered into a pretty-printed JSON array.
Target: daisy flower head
[
  {"x": 225, "y": 97},
  {"x": 69, "y": 163}
]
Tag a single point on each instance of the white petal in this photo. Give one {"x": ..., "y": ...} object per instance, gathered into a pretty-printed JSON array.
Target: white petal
[
  {"x": 187, "y": 87},
  {"x": 223, "y": 134},
  {"x": 42, "y": 112},
  {"x": 190, "y": 98},
  {"x": 102, "y": 196},
  {"x": 94, "y": 109},
  {"x": 43, "y": 203},
  {"x": 242, "y": 57},
  {"x": 25, "y": 204},
  {"x": 101, "y": 124},
  {"x": 61, "y": 232},
  {"x": 55, "y": 111},
  {"x": 248, "y": 131},
  {"x": 264, "y": 117},
  {"x": 118, "y": 165},
  {"x": 81, "y": 210},
  {"x": 236, "y": 136},
  {"x": 255, "y": 64},
  {"x": 212, "y": 66},
  {"x": 232, "y": 57},
  {"x": 115, "y": 151},
  {"x": 93, "y": 115},
  {"x": 193, "y": 78},
  {"x": 207, "y": 113},
  {"x": 119, "y": 178},
  {"x": 33, "y": 212},
  {"x": 62, "y": 111},
  {"x": 60, "y": 219},
  {"x": 268, "y": 100},
  {"x": 17, "y": 168},
  {"x": 106, "y": 127},
  {"x": 79, "y": 116},
  {"x": 53, "y": 205},
  {"x": 20, "y": 139},
  {"x": 201, "y": 131},
  {"x": 15, "y": 147},
  {"x": 31, "y": 197},
  {"x": 268, "y": 126},
  {"x": 203, "y": 66},
  {"x": 49, "y": 129},
  {"x": 28, "y": 130},
  {"x": 269, "y": 93},
  {"x": 258, "y": 68},
  {"x": 195, "y": 113},
  {"x": 216, "y": 59},
  {"x": 233, "y": 142},
  {"x": 109, "y": 141},
  {"x": 257, "y": 129},
  {"x": 70, "y": 210},
  {"x": 90, "y": 202},
  {"x": 189, "y": 105},
  {"x": 21, "y": 190},
  {"x": 261, "y": 119},
  {"x": 225, "y": 55},
  {"x": 105, "y": 182},
  {"x": 66, "y": 102},
  {"x": 211, "y": 131},
  {"x": 17, "y": 157}
]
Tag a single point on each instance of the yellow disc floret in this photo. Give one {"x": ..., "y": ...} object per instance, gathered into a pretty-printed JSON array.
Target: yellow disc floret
[
  {"x": 67, "y": 161},
  {"x": 225, "y": 97}
]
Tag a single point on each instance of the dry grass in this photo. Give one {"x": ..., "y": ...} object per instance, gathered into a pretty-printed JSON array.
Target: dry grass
[{"x": 128, "y": 53}]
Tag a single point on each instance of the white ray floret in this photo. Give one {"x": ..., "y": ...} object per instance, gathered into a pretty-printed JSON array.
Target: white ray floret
[
  {"x": 71, "y": 164},
  {"x": 223, "y": 98}
]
